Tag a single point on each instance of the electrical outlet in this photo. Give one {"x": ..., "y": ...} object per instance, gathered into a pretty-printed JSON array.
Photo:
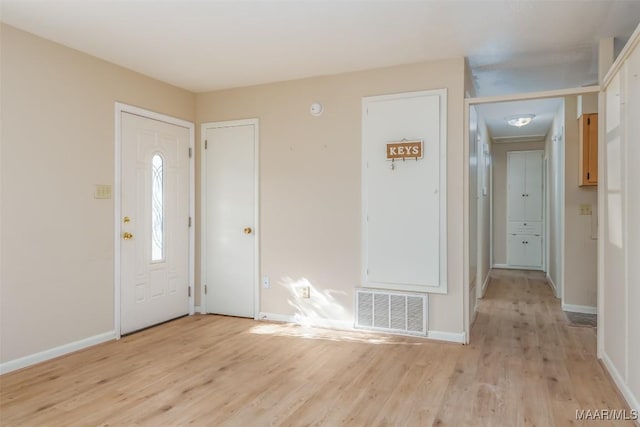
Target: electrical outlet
[
  {"x": 266, "y": 283},
  {"x": 306, "y": 292},
  {"x": 585, "y": 209}
]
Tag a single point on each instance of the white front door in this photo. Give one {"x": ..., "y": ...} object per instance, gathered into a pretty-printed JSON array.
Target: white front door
[
  {"x": 154, "y": 238},
  {"x": 230, "y": 217}
]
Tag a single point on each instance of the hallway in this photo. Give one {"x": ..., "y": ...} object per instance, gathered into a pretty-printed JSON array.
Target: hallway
[
  {"x": 525, "y": 366},
  {"x": 533, "y": 368}
]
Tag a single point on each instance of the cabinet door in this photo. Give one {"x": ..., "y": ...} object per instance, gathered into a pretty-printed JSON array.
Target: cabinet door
[
  {"x": 592, "y": 173},
  {"x": 516, "y": 250},
  {"x": 533, "y": 187},
  {"x": 524, "y": 251},
  {"x": 516, "y": 186},
  {"x": 588, "y": 154},
  {"x": 533, "y": 249}
]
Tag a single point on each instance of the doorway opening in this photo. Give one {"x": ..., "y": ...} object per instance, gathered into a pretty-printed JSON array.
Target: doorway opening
[{"x": 499, "y": 160}]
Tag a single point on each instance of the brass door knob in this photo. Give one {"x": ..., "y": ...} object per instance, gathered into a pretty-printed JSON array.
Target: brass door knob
[
  {"x": 127, "y": 236},
  {"x": 247, "y": 230}
]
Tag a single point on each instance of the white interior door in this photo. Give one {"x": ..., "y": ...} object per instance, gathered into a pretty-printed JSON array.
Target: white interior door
[
  {"x": 534, "y": 162},
  {"x": 404, "y": 200},
  {"x": 516, "y": 185},
  {"x": 230, "y": 216},
  {"x": 154, "y": 240}
]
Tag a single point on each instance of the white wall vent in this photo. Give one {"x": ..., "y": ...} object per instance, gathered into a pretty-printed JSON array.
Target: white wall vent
[{"x": 391, "y": 311}]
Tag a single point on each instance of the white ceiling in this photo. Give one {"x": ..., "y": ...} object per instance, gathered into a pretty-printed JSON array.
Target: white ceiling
[
  {"x": 202, "y": 45},
  {"x": 495, "y": 114}
]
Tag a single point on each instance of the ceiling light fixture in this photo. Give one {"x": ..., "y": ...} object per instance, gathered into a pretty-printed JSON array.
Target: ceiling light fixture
[{"x": 520, "y": 120}]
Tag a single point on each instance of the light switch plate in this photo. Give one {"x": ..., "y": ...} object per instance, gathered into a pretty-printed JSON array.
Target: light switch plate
[
  {"x": 585, "y": 209},
  {"x": 102, "y": 191}
]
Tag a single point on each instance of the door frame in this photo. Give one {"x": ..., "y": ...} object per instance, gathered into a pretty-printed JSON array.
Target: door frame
[
  {"x": 117, "y": 194},
  {"x": 468, "y": 102},
  {"x": 256, "y": 215}
]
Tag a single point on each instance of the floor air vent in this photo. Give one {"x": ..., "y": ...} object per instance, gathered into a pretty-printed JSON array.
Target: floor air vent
[{"x": 395, "y": 312}]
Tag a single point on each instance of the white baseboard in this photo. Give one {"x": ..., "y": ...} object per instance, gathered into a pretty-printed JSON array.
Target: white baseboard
[
  {"x": 52, "y": 353},
  {"x": 197, "y": 309},
  {"x": 632, "y": 400},
  {"x": 483, "y": 290},
  {"x": 553, "y": 285},
  {"x": 307, "y": 321},
  {"x": 457, "y": 337},
  {"x": 511, "y": 267},
  {"x": 502, "y": 266},
  {"x": 348, "y": 326},
  {"x": 276, "y": 317},
  {"x": 580, "y": 309}
]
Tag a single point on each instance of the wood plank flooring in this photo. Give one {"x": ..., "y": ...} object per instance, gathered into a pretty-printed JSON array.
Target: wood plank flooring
[{"x": 525, "y": 367}]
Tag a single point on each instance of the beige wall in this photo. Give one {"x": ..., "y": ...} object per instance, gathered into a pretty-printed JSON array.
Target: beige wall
[
  {"x": 570, "y": 234},
  {"x": 580, "y": 260},
  {"x": 310, "y": 182},
  {"x": 499, "y": 157},
  {"x": 57, "y": 143},
  {"x": 555, "y": 198}
]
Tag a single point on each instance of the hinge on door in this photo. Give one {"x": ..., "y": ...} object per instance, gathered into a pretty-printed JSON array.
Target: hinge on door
[
  {"x": 189, "y": 221},
  {"x": 588, "y": 175},
  {"x": 189, "y": 152},
  {"x": 205, "y": 289},
  {"x": 189, "y": 287},
  {"x": 205, "y": 144},
  {"x": 588, "y": 120}
]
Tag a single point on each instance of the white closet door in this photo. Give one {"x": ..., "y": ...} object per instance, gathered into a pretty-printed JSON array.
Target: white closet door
[
  {"x": 533, "y": 186},
  {"x": 517, "y": 255},
  {"x": 516, "y": 165},
  {"x": 524, "y": 204},
  {"x": 534, "y": 251}
]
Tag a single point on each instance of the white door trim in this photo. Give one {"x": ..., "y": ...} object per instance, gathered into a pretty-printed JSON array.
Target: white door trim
[
  {"x": 561, "y": 93},
  {"x": 125, "y": 108},
  {"x": 203, "y": 207}
]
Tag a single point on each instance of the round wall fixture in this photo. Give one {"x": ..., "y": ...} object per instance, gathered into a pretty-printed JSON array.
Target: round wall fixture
[{"x": 316, "y": 109}]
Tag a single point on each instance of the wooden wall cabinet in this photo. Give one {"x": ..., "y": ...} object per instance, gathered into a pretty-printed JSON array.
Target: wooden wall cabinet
[{"x": 588, "y": 134}]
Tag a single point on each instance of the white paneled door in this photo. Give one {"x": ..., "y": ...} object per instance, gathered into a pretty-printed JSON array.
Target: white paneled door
[
  {"x": 404, "y": 200},
  {"x": 154, "y": 238},
  {"x": 229, "y": 181}
]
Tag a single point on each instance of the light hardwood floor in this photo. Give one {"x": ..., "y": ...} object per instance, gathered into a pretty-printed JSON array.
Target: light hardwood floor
[{"x": 525, "y": 367}]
